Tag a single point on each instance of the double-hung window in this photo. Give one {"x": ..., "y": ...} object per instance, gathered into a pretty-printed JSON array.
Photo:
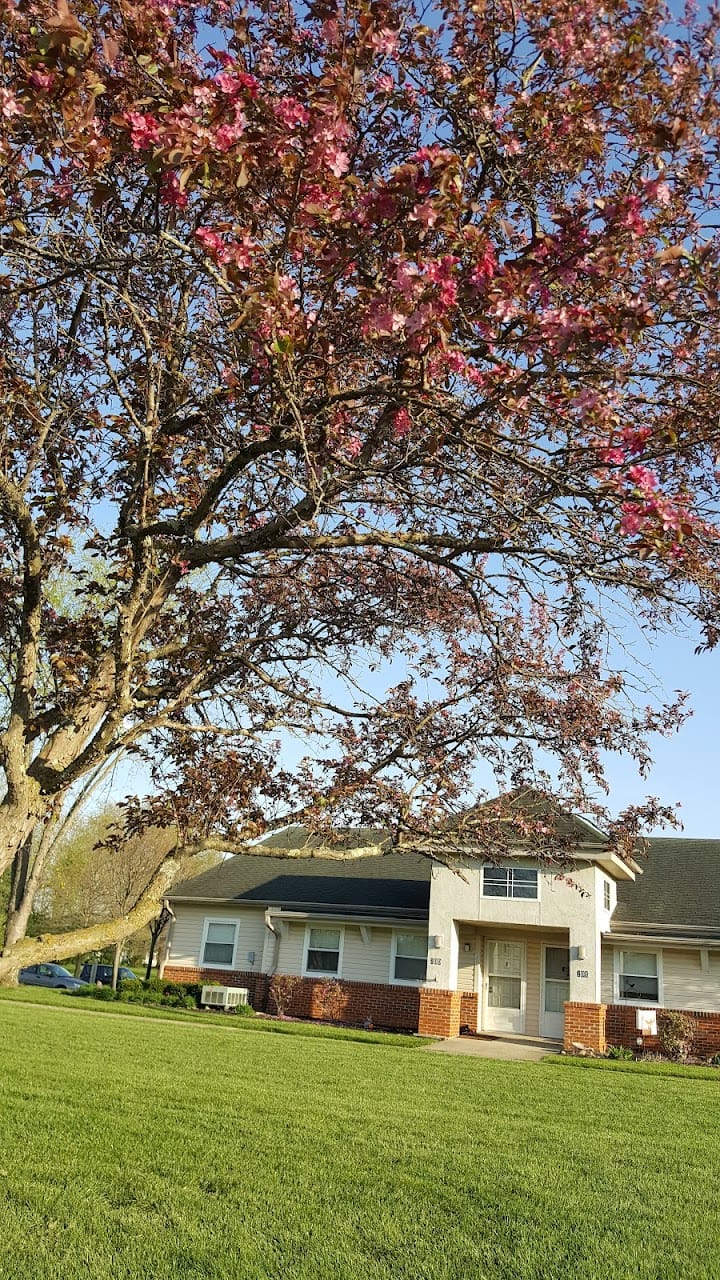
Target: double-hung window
[
  {"x": 638, "y": 974},
  {"x": 219, "y": 944},
  {"x": 510, "y": 882},
  {"x": 323, "y": 950},
  {"x": 409, "y": 957}
]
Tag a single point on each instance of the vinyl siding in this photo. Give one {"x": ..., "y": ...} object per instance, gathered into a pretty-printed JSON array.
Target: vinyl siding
[
  {"x": 606, "y": 976},
  {"x": 686, "y": 985},
  {"x": 361, "y": 961},
  {"x": 467, "y": 960},
  {"x": 189, "y": 924}
]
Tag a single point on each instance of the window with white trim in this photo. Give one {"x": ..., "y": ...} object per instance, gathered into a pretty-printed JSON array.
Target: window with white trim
[
  {"x": 606, "y": 895},
  {"x": 219, "y": 943},
  {"x": 510, "y": 882},
  {"x": 409, "y": 957},
  {"x": 638, "y": 975},
  {"x": 323, "y": 950}
]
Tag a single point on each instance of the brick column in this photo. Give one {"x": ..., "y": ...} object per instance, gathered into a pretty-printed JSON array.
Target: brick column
[
  {"x": 439, "y": 1013},
  {"x": 585, "y": 1025}
]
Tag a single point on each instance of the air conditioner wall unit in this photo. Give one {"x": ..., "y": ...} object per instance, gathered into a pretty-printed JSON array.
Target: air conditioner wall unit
[{"x": 224, "y": 997}]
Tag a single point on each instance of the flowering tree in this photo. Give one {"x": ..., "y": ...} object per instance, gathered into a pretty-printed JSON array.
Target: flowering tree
[{"x": 363, "y": 334}]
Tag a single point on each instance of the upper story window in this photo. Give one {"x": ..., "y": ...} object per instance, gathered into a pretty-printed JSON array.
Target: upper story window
[
  {"x": 510, "y": 882},
  {"x": 638, "y": 975},
  {"x": 606, "y": 895},
  {"x": 219, "y": 943},
  {"x": 323, "y": 950}
]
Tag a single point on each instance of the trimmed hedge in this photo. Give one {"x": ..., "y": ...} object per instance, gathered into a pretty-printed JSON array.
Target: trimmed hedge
[{"x": 170, "y": 995}]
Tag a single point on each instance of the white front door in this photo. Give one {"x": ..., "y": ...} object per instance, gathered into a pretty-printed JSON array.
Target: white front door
[
  {"x": 505, "y": 969},
  {"x": 556, "y": 990}
]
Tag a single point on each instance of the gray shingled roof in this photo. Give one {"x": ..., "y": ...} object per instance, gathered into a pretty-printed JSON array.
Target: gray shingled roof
[
  {"x": 388, "y": 885},
  {"x": 679, "y": 888}
]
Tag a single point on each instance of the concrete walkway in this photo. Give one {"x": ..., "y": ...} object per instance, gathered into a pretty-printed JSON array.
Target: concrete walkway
[{"x": 507, "y": 1048}]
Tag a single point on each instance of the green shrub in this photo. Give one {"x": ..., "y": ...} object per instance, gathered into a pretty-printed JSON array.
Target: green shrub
[
  {"x": 676, "y": 1033},
  {"x": 619, "y": 1052},
  {"x": 97, "y": 993}
]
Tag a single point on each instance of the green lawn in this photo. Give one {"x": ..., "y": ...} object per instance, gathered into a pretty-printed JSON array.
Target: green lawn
[{"x": 131, "y": 1148}]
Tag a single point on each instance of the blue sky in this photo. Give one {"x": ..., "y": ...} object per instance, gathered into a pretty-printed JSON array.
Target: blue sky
[{"x": 686, "y": 765}]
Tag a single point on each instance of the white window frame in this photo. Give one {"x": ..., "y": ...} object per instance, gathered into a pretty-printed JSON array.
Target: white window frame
[
  {"x": 209, "y": 920},
  {"x": 509, "y": 897},
  {"x": 607, "y": 895},
  {"x": 405, "y": 982},
  {"x": 619, "y": 969},
  {"x": 318, "y": 973}
]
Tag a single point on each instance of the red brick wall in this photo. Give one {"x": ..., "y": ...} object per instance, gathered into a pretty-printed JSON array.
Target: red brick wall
[
  {"x": 585, "y": 1025},
  {"x": 469, "y": 1010},
  {"x": 620, "y": 1029},
  {"x": 439, "y": 1012},
  {"x": 388, "y": 1007}
]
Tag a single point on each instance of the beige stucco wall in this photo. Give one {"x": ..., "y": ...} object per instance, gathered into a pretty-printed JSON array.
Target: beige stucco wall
[
  {"x": 685, "y": 984},
  {"x": 570, "y": 903}
]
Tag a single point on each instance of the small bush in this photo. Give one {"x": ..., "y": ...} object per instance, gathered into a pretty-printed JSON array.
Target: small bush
[
  {"x": 620, "y": 1053},
  {"x": 97, "y": 993},
  {"x": 282, "y": 989},
  {"x": 715, "y": 1060},
  {"x": 676, "y": 1033},
  {"x": 330, "y": 1000}
]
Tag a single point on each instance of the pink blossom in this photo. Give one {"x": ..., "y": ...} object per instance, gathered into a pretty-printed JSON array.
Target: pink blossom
[
  {"x": 614, "y": 456},
  {"x": 485, "y": 266},
  {"x": 203, "y": 94},
  {"x": 353, "y": 446},
  {"x": 210, "y": 241},
  {"x": 384, "y": 41},
  {"x": 291, "y": 112},
  {"x": 228, "y": 134},
  {"x": 426, "y": 214},
  {"x": 407, "y": 280},
  {"x": 287, "y": 286},
  {"x": 384, "y": 84},
  {"x": 382, "y": 321},
  {"x": 643, "y": 478},
  {"x": 331, "y": 157},
  {"x": 170, "y": 192},
  {"x": 41, "y": 78},
  {"x": 9, "y": 105},
  {"x": 249, "y": 84},
  {"x": 631, "y": 522},
  {"x": 145, "y": 129},
  {"x": 635, "y": 438},
  {"x": 227, "y": 84},
  {"x": 402, "y": 423},
  {"x": 657, "y": 189}
]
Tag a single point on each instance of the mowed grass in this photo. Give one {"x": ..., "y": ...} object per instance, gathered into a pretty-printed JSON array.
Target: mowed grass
[{"x": 136, "y": 1149}]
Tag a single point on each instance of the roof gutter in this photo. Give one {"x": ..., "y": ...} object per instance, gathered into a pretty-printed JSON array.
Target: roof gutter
[{"x": 667, "y": 940}]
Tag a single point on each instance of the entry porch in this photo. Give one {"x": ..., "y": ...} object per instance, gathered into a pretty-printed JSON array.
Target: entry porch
[{"x": 510, "y": 981}]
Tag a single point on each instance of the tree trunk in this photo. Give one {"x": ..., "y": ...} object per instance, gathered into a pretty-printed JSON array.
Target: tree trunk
[
  {"x": 116, "y": 961},
  {"x": 27, "y": 873},
  {"x": 156, "y": 928}
]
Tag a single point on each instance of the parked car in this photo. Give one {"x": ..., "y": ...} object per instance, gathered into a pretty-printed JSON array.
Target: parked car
[
  {"x": 102, "y": 973},
  {"x": 49, "y": 975}
]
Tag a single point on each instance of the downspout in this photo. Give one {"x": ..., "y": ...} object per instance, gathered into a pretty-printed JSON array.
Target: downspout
[{"x": 276, "y": 941}]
